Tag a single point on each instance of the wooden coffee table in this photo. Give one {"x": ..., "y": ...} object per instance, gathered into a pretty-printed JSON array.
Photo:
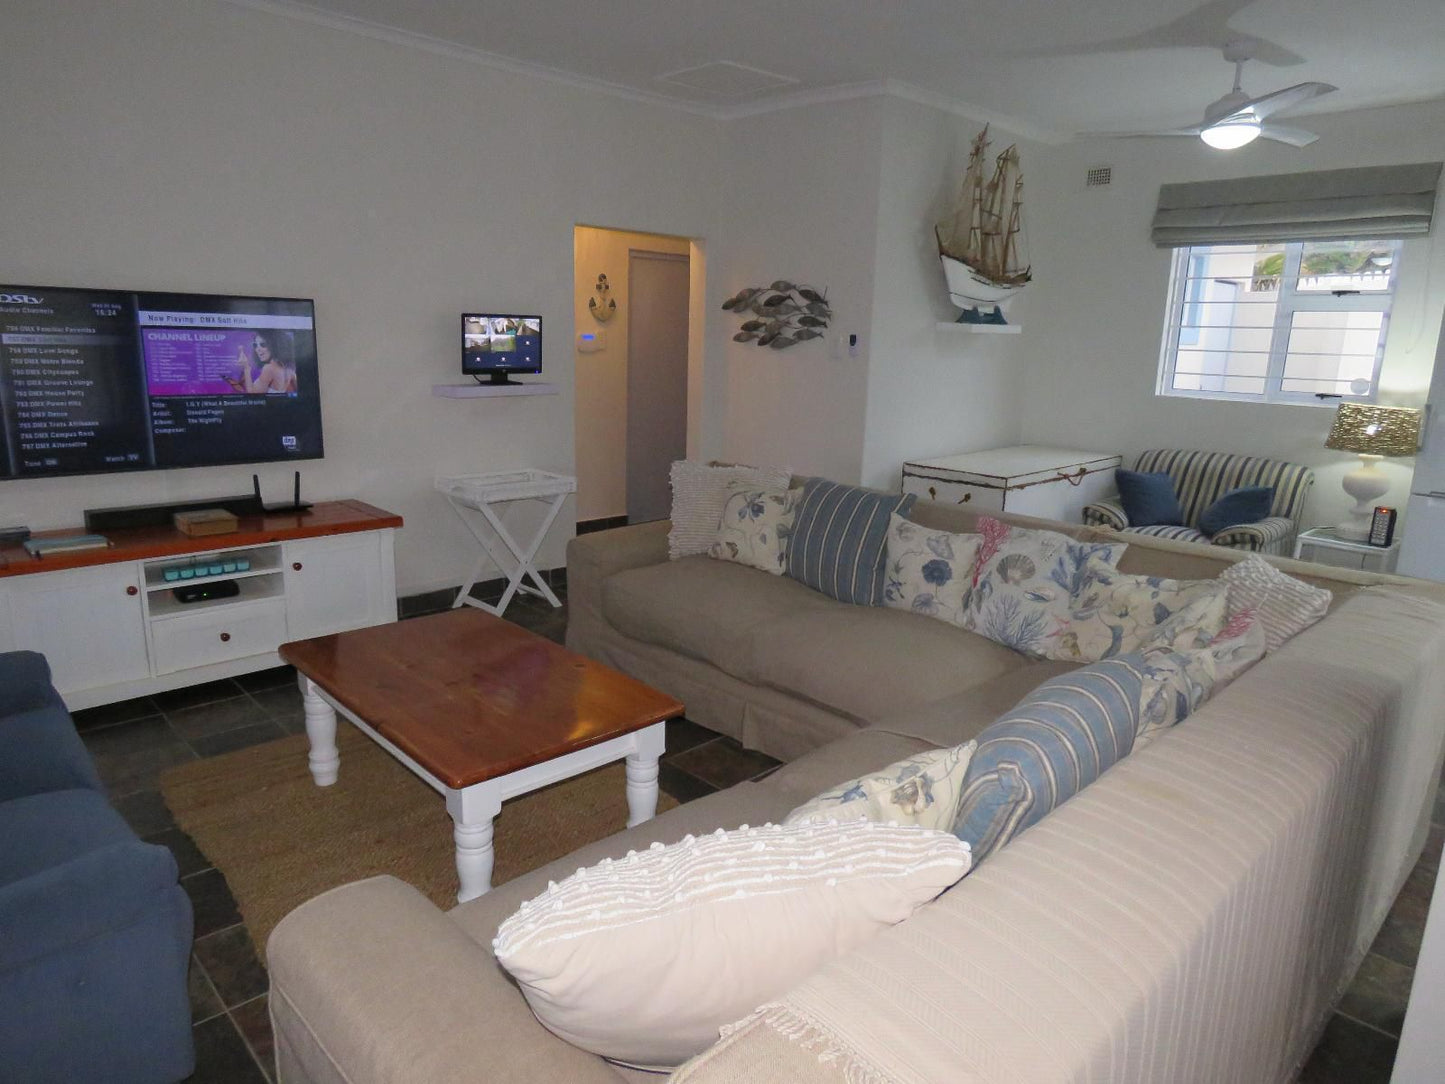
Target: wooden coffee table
[{"x": 483, "y": 710}]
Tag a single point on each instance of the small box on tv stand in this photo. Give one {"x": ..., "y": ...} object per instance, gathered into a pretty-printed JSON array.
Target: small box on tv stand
[{"x": 205, "y": 521}]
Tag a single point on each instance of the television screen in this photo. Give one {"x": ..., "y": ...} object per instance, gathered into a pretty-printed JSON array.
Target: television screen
[
  {"x": 501, "y": 344},
  {"x": 103, "y": 380}
]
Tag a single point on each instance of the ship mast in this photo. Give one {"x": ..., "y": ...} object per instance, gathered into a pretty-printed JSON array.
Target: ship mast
[{"x": 984, "y": 229}]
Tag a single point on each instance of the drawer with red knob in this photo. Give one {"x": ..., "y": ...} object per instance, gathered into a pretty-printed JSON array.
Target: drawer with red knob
[{"x": 216, "y": 634}]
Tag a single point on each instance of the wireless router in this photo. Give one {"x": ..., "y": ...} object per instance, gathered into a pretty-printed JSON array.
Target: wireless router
[{"x": 296, "y": 504}]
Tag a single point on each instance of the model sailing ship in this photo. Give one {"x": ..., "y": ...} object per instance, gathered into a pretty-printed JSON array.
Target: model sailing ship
[{"x": 981, "y": 241}]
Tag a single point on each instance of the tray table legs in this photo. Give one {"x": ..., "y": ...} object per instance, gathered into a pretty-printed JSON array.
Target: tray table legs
[{"x": 490, "y": 555}]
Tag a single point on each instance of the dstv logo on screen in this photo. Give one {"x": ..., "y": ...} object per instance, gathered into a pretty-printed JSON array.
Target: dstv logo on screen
[{"x": 18, "y": 299}]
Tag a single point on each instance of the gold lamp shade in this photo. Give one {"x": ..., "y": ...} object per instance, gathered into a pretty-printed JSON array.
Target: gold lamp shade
[{"x": 1366, "y": 429}]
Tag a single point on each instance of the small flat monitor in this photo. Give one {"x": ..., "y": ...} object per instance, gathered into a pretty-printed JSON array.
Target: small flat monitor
[{"x": 496, "y": 346}]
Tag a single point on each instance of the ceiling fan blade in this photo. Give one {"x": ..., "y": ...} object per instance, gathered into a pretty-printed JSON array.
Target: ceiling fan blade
[
  {"x": 1141, "y": 135},
  {"x": 1269, "y": 104},
  {"x": 1295, "y": 137}
]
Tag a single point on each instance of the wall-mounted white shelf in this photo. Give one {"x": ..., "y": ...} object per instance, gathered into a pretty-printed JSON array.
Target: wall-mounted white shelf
[
  {"x": 482, "y": 391},
  {"x": 979, "y": 329}
]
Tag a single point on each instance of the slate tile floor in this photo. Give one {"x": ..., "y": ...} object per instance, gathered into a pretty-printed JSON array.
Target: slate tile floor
[{"x": 134, "y": 741}]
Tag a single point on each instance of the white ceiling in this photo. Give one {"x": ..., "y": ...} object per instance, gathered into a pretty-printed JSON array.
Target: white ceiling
[{"x": 1046, "y": 68}]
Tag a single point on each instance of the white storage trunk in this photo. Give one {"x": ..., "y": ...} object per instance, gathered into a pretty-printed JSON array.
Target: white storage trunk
[{"x": 1052, "y": 483}]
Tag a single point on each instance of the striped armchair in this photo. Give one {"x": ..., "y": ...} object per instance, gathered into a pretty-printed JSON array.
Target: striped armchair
[{"x": 1201, "y": 478}]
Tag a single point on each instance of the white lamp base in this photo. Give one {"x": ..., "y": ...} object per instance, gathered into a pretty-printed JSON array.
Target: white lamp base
[{"x": 1366, "y": 484}]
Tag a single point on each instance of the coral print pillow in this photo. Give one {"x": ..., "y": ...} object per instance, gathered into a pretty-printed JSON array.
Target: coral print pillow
[
  {"x": 1024, "y": 581},
  {"x": 1185, "y": 665},
  {"x": 755, "y": 527},
  {"x": 922, "y": 790},
  {"x": 1114, "y": 613},
  {"x": 928, "y": 572}
]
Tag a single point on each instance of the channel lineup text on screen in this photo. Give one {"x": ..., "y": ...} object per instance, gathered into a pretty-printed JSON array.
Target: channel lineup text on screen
[{"x": 95, "y": 380}]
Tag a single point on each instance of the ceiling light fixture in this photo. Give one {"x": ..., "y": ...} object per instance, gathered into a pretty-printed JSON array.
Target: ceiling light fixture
[{"x": 1232, "y": 132}]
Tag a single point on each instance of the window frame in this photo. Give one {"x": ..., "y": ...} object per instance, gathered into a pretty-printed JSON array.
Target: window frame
[{"x": 1290, "y": 302}]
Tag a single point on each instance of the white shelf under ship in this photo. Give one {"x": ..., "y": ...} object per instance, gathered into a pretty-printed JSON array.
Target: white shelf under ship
[{"x": 981, "y": 243}]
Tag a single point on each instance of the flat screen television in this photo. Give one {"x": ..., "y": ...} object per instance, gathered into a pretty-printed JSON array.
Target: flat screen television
[
  {"x": 497, "y": 346},
  {"x": 93, "y": 381}
]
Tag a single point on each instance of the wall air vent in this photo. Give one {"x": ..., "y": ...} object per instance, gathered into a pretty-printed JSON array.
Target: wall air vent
[{"x": 1099, "y": 176}]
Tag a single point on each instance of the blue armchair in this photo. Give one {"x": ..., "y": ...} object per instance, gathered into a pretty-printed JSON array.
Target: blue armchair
[{"x": 95, "y": 931}]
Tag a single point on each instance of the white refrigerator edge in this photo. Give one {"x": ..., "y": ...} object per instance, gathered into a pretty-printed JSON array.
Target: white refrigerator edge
[{"x": 1422, "y": 549}]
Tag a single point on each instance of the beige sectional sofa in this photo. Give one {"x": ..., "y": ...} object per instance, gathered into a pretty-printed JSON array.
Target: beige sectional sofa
[{"x": 1192, "y": 915}]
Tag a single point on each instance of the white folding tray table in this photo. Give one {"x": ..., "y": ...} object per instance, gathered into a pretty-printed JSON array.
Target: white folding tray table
[{"x": 485, "y": 494}]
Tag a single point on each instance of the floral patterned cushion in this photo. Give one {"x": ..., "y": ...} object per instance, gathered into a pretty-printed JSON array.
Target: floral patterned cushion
[
  {"x": 923, "y": 789},
  {"x": 755, "y": 527},
  {"x": 1113, "y": 612},
  {"x": 927, "y": 571},
  {"x": 1186, "y": 666},
  {"x": 1024, "y": 582}
]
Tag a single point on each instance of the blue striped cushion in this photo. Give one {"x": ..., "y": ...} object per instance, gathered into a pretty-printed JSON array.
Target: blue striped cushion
[
  {"x": 839, "y": 533},
  {"x": 1048, "y": 747}
]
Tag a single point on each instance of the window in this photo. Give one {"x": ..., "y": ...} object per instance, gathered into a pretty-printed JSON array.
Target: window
[{"x": 1278, "y": 323}]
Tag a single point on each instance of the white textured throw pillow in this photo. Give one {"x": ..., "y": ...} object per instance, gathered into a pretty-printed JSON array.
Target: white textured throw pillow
[
  {"x": 1286, "y": 606},
  {"x": 699, "y": 491},
  {"x": 923, "y": 790},
  {"x": 642, "y": 960}
]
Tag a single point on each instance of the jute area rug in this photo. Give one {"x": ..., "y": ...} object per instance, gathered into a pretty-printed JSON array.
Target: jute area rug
[{"x": 280, "y": 839}]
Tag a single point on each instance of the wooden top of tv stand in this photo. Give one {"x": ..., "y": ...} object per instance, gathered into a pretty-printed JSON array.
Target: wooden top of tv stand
[{"x": 139, "y": 543}]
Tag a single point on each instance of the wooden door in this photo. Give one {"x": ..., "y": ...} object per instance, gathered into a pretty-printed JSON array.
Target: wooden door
[{"x": 657, "y": 320}]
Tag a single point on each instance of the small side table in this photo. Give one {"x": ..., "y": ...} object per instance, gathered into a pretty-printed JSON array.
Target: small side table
[
  {"x": 1323, "y": 546},
  {"x": 482, "y": 493}
]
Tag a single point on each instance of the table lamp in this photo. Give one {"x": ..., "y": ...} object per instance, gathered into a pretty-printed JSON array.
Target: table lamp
[{"x": 1371, "y": 432}]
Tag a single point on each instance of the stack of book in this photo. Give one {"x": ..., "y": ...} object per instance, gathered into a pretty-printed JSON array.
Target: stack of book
[{"x": 39, "y": 547}]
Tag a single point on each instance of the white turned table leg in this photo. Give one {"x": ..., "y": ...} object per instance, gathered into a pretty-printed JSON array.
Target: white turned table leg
[
  {"x": 324, "y": 758},
  {"x": 472, "y": 811},
  {"x": 641, "y": 789},
  {"x": 642, "y": 774},
  {"x": 474, "y": 860}
]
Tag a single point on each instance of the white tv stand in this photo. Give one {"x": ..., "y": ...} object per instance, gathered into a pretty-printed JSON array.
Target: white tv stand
[{"x": 111, "y": 628}]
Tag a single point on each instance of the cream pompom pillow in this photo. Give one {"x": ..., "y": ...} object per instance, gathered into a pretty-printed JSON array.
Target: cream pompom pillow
[{"x": 643, "y": 960}]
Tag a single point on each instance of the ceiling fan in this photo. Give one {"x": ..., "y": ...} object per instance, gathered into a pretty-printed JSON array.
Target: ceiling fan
[{"x": 1237, "y": 119}]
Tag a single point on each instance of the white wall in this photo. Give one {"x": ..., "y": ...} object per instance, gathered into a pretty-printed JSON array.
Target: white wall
[
  {"x": 214, "y": 148},
  {"x": 1096, "y": 314},
  {"x": 931, "y": 392},
  {"x": 798, "y": 201},
  {"x": 601, "y": 375}
]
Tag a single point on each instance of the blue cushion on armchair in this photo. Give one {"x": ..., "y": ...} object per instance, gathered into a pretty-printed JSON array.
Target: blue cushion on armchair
[
  {"x": 1148, "y": 499},
  {"x": 1248, "y": 504}
]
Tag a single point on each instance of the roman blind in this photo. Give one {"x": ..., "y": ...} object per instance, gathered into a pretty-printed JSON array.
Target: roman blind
[{"x": 1374, "y": 202}]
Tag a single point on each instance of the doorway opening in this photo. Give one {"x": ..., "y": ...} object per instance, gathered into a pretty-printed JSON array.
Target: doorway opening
[{"x": 638, "y": 370}]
